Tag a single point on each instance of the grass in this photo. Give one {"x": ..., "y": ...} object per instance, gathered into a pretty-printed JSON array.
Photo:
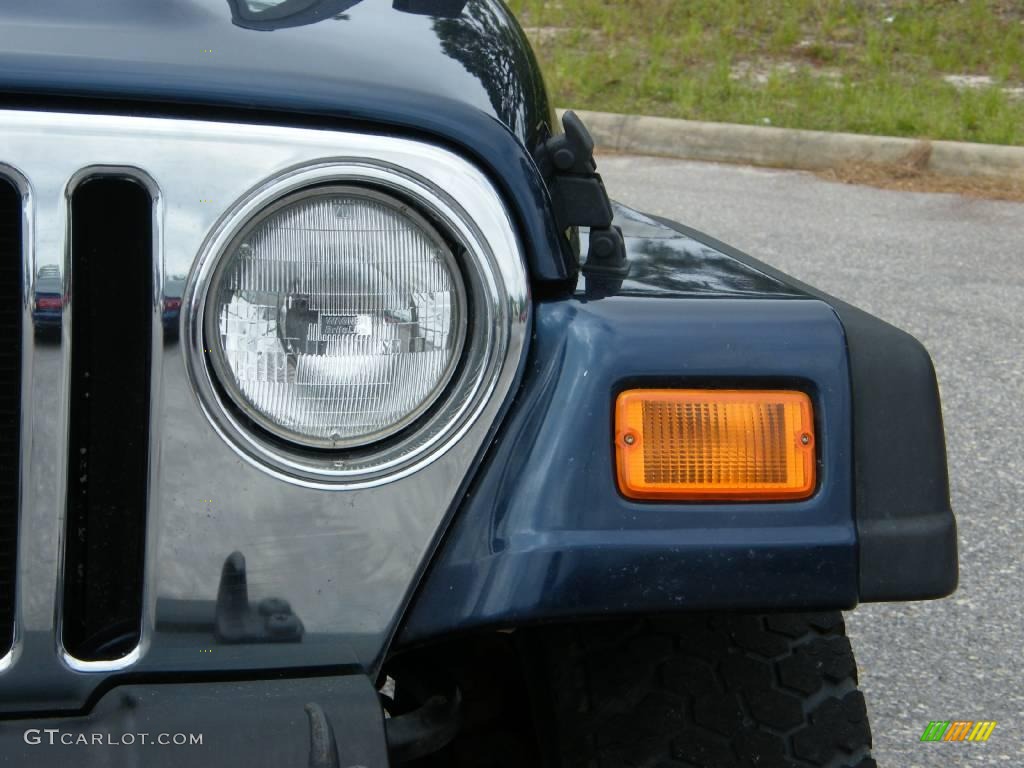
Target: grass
[{"x": 865, "y": 66}]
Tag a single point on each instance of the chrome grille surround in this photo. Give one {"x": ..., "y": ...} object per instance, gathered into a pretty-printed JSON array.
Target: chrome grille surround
[
  {"x": 21, "y": 185},
  {"x": 345, "y": 557}
]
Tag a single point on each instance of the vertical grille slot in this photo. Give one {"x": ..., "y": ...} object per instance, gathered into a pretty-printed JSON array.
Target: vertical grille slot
[
  {"x": 108, "y": 448},
  {"x": 10, "y": 396}
]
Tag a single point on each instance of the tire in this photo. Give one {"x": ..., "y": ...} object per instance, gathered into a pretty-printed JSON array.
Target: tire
[{"x": 703, "y": 691}]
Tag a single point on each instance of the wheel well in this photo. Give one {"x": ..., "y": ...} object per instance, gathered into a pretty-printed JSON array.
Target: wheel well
[{"x": 498, "y": 687}]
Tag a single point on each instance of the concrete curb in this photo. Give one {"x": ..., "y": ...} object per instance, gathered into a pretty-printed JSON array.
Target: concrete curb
[{"x": 789, "y": 148}]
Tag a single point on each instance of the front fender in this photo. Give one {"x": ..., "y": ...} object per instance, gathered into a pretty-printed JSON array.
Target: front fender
[{"x": 544, "y": 533}]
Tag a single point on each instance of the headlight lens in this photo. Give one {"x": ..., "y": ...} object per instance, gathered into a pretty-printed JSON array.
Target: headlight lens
[{"x": 336, "y": 317}]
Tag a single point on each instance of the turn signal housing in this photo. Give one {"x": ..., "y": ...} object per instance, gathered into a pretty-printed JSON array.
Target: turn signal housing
[{"x": 708, "y": 445}]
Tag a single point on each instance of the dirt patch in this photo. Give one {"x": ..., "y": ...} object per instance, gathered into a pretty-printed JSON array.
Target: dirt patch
[
  {"x": 762, "y": 71},
  {"x": 545, "y": 36},
  {"x": 978, "y": 82},
  {"x": 911, "y": 175},
  {"x": 908, "y": 175}
]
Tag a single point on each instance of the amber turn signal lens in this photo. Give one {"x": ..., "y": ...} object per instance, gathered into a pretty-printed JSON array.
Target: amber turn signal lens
[{"x": 706, "y": 444}]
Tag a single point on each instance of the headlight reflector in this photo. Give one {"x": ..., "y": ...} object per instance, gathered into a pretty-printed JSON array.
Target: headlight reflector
[{"x": 336, "y": 317}]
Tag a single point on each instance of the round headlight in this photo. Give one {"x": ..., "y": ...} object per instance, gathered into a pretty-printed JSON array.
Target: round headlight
[{"x": 336, "y": 317}]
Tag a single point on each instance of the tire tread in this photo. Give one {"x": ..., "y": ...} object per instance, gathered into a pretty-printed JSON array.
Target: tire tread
[{"x": 708, "y": 691}]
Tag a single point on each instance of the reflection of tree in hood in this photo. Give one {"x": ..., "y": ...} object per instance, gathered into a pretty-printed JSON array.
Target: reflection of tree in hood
[
  {"x": 680, "y": 264},
  {"x": 489, "y": 45}
]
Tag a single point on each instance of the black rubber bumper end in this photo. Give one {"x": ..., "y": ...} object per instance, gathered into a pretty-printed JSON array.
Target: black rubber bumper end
[
  {"x": 908, "y": 558},
  {"x": 905, "y": 524}
]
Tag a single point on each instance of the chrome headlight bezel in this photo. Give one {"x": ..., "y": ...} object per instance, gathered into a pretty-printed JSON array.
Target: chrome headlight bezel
[
  {"x": 228, "y": 380},
  {"x": 429, "y": 433}
]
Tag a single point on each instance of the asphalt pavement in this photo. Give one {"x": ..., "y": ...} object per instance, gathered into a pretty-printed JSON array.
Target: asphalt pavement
[{"x": 950, "y": 270}]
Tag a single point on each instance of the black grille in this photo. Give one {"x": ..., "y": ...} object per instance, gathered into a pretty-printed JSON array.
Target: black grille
[
  {"x": 108, "y": 441},
  {"x": 10, "y": 392}
]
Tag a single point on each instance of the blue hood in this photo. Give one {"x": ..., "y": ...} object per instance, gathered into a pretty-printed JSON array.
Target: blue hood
[{"x": 460, "y": 72}]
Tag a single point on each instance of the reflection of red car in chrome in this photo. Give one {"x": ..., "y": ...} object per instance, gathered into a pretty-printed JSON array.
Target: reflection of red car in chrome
[
  {"x": 171, "y": 309},
  {"x": 48, "y": 299},
  {"x": 172, "y": 306}
]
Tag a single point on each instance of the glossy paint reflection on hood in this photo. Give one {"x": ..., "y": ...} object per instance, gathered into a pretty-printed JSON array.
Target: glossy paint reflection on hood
[
  {"x": 457, "y": 72},
  {"x": 277, "y": 14},
  {"x": 461, "y": 53},
  {"x": 667, "y": 261}
]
